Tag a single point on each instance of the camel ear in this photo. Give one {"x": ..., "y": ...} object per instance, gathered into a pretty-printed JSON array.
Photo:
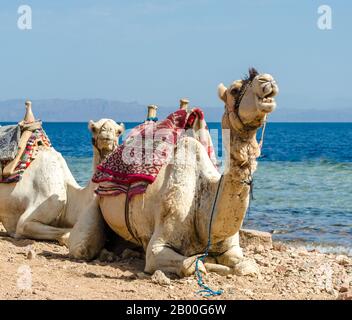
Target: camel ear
[
  {"x": 91, "y": 126},
  {"x": 222, "y": 90},
  {"x": 121, "y": 129}
]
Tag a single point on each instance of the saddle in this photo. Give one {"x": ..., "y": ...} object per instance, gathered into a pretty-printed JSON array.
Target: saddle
[{"x": 17, "y": 137}]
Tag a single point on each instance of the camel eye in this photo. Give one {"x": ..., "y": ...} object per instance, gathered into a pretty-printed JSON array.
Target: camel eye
[
  {"x": 234, "y": 91},
  {"x": 119, "y": 131}
]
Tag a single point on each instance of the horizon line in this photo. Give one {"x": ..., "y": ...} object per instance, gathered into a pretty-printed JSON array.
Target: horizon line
[{"x": 288, "y": 122}]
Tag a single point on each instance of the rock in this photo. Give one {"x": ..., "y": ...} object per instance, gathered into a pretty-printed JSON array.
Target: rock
[
  {"x": 280, "y": 269},
  {"x": 250, "y": 247},
  {"x": 106, "y": 256},
  {"x": 342, "y": 260},
  {"x": 255, "y": 238},
  {"x": 259, "y": 249},
  {"x": 248, "y": 292},
  {"x": 246, "y": 268},
  {"x": 302, "y": 251},
  {"x": 160, "y": 278},
  {"x": 231, "y": 291},
  {"x": 128, "y": 253},
  {"x": 31, "y": 254},
  {"x": 277, "y": 246},
  {"x": 344, "y": 288},
  {"x": 345, "y": 296}
]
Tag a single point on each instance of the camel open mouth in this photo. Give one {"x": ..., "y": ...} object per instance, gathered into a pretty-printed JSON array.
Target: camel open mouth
[{"x": 266, "y": 104}]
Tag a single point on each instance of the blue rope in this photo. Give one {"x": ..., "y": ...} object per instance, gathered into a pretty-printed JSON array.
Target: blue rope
[
  {"x": 155, "y": 119},
  {"x": 207, "y": 291}
]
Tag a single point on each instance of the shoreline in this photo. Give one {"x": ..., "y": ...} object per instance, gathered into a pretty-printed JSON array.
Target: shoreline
[{"x": 276, "y": 271}]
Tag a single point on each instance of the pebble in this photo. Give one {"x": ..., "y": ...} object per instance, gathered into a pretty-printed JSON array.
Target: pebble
[
  {"x": 259, "y": 249},
  {"x": 128, "y": 253},
  {"x": 248, "y": 292},
  {"x": 160, "y": 278},
  {"x": 345, "y": 296},
  {"x": 106, "y": 256},
  {"x": 342, "y": 260},
  {"x": 246, "y": 268},
  {"x": 279, "y": 247},
  {"x": 344, "y": 288},
  {"x": 31, "y": 254}
]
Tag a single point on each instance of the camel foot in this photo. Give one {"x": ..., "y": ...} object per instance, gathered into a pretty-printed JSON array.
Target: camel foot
[
  {"x": 218, "y": 268},
  {"x": 82, "y": 253},
  {"x": 231, "y": 257},
  {"x": 189, "y": 267},
  {"x": 63, "y": 240}
]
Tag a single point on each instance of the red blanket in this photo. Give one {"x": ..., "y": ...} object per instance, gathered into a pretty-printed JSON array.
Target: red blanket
[{"x": 136, "y": 163}]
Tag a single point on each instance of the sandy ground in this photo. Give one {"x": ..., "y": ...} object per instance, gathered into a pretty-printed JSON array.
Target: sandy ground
[{"x": 42, "y": 270}]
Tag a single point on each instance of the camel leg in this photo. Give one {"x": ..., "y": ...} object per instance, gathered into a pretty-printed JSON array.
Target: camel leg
[
  {"x": 36, "y": 223},
  {"x": 160, "y": 256},
  {"x": 88, "y": 235},
  {"x": 39, "y": 231},
  {"x": 233, "y": 255}
]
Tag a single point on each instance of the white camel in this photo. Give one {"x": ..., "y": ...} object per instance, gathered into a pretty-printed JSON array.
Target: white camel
[
  {"x": 46, "y": 203},
  {"x": 171, "y": 220}
]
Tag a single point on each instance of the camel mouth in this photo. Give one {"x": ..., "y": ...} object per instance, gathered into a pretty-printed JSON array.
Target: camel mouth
[
  {"x": 271, "y": 94},
  {"x": 266, "y": 104}
]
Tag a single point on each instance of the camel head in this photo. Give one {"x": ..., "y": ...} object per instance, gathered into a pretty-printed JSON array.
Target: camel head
[
  {"x": 251, "y": 99},
  {"x": 105, "y": 135}
]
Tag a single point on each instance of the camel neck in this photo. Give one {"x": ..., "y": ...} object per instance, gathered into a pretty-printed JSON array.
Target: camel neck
[
  {"x": 234, "y": 191},
  {"x": 98, "y": 157}
]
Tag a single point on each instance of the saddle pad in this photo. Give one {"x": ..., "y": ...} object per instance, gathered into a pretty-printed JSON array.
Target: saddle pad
[
  {"x": 38, "y": 138},
  {"x": 9, "y": 138},
  {"x": 137, "y": 162}
]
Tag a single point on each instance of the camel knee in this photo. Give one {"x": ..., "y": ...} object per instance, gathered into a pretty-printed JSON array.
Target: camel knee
[{"x": 24, "y": 229}]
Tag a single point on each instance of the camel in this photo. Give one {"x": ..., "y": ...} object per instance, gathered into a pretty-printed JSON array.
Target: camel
[
  {"x": 172, "y": 219},
  {"x": 46, "y": 203}
]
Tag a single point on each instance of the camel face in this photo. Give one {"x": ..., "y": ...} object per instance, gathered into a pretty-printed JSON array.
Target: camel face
[
  {"x": 256, "y": 94},
  {"x": 265, "y": 89},
  {"x": 106, "y": 133}
]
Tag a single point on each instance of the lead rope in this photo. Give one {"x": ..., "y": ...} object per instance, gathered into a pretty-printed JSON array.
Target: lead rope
[{"x": 207, "y": 291}]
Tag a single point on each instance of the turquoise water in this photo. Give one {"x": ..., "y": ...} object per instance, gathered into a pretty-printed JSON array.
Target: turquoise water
[{"x": 303, "y": 184}]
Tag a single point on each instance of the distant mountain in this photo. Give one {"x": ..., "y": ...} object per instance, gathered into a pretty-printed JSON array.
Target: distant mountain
[{"x": 61, "y": 110}]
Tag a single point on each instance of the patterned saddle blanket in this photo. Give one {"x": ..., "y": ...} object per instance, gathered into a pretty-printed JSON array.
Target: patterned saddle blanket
[
  {"x": 137, "y": 162},
  {"x": 37, "y": 140},
  {"x": 9, "y": 138}
]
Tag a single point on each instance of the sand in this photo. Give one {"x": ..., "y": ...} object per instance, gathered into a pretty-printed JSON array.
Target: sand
[{"x": 42, "y": 270}]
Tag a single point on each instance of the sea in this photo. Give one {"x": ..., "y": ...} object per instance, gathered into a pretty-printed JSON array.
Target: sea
[{"x": 302, "y": 188}]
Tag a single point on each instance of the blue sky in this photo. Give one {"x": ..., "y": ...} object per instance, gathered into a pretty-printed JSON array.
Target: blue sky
[{"x": 156, "y": 51}]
